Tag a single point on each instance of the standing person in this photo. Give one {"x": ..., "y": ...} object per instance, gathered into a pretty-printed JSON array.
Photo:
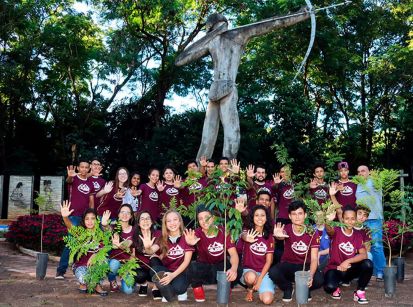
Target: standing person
[
  {"x": 209, "y": 240},
  {"x": 189, "y": 193},
  {"x": 96, "y": 178},
  {"x": 299, "y": 247},
  {"x": 81, "y": 197},
  {"x": 146, "y": 245},
  {"x": 346, "y": 189},
  {"x": 258, "y": 255},
  {"x": 169, "y": 188},
  {"x": 135, "y": 181},
  {"x": 150, "y": 195},
  {"x": 115, "y": 193},
  {"x": 318, "y": 187},
  {"x": 122, "y": 242},
  {"x": 82, "y": 265},
  {"x": 348, "y": 258},
  {"x": 175, "y": 255},
  {"x": 373, "y": 197}
]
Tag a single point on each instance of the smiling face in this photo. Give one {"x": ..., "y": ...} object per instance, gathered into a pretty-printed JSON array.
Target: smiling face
[
  {"x": 83, "y": 168},
  {"x": 349, "y": 218},
  {"x": 223, "y": 165},
  {"x": 122, "y": 176},
  {"x": 260, "y": 217},
  {"x": 205, "y": 220},
  {"x": 298, "y": 216},
  {"x": 260, "y": 175},
  {"x": 135, "y": 180},
  {"x": 210, "y": 167},
  {"x": 125, "y": 214},
  {"x": 343, "y": 172},
  {"x": 154, "y": 176},
  {"x": 319, "y": 173},
  {"x": 168, "y": 174},
  {"x": 264, "y": 199},
  {"x": 145, "y": 221},
  {"x": 96, "y": 167},
  {"x": 173, "y": 222},
  {"x": 90, "y": 220}
]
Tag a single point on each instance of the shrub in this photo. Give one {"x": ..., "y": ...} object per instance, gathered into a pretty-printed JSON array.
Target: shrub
[
  {"x": 393, "y": 228},
  {"x": 26, "y": 232}
]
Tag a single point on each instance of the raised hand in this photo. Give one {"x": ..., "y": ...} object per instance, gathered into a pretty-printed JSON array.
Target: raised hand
[
  {"x": 235, "y": 166},
  {"x": 65, "y": 209},
  {"x": 250, "y": 171},
  {"x": 177, "y": 181},
  {"x": 160, "y": 186},
  {"x": 333, "y": 189},
  {"x": 115, "y": 240},
  {"x": 190, "y": 237},
  {"x": 71, "y": 171},
  {"x": 251, "y": 236},
  {"x": 279, "y": 231},
  {"x": 105, "y": 218},
  {"x": 277, "y": 178},
  {"x": 121, "y": 192},
  {"x": 108, "y": 187},
  {"x": 203, "y": 161},
  {"x": 240, "y": 204},
  {"x": 147, "y": 240},
  {"x": 340, "y": 186},
  {"x": 313, "y": 183},
  {"x": 134, "y": 191}
]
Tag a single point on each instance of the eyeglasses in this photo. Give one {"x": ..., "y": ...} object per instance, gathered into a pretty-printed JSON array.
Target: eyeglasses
[
  {"x": 125, "y": 212},
  {"x": 98, "y": 164},
  {"x": 145, "y": 219}
]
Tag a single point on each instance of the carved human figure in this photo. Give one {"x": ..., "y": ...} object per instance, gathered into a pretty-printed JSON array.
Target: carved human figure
[{"x": 226, "y": 48}]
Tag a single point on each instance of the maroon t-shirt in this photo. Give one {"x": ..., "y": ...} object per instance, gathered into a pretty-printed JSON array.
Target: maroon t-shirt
[
  {"x": 256, "y": 188},
  {"x": 167, "y": 194},
  {"x": 190, "y": 193},
  {"x": 98, "y": 184},
  {"x": 145, "y": 258},
  {"x": 85, "y": 258},
  {"x": 284, "y": 194},
  {"x": 150, "y": 201},
  {"x": 320, "y": 193},
  {"x": 343, "y": 247},
  {"x": 110, "y": 202},
  {"x": 211, "y": 249},
  {"x": 365, "y": 234},
  {"x": 79, "y": 191},
  {"x": 348, "y": 195},
  {"x": 119, "y": 254},
  {"x": 254, "y": 254},
  {"x": 176, "y": 253},
  {"x": 297, "y": 245}
]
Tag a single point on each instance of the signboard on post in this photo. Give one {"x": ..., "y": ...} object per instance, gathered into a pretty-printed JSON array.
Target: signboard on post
[
  {"x": 51, "y": 187},
  {"x": 20, "y": 198}
]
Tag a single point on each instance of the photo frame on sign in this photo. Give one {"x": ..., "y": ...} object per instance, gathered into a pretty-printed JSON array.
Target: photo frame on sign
[
  {"x": 51, "y": 187},
  {"x": 20, "y": 197}
]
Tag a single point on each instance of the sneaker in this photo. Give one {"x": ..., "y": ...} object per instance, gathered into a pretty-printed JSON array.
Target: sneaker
[
  {"x": 309, "y": 296},
  {"x": 288, "y": 295},
  {"x": 199, "y": 294},
  {"x": 336, "y": 294},
  {"x": 379, "y": 277},
  {"x": 60, "y": 276},
  {"x": 164, "y": 300},
  {"x": 156, "y": 294},
  {"x": 114, "y": 286},
  {"x": 346, "y": 283},
  {"x": 360, "y": 297},
  {"x": 183, "y": 297},
  {"x": 143, "y": 290}
]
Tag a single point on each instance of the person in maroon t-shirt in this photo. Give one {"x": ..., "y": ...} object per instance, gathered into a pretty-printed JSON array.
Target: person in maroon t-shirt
[
  {"x": 95, "y": 176},
  {"x": 190, "y": 193},
  {"x": 146, "y": 241},
  {"x": 175, "y": 255},
  {"x": 135, "y": 181},
  {"x": 258, "y": 185},
  {"x": 258, "y": 255},
  {"x": 318, "y": 187},
  {"x": 81, "y": 266},
  {"x": 348, "y": 259},
  {"x": 149, "y": 195},
  {"x": 346, "y": 190},
  {"x": 284, "y": 193},
  {"x": 115, "y": 193},
  {"x": 169, "y": 188},
  {"x": 210, "y": 241},
  {"x": 299, "y": 247},
  {"x": 122, "y": 240}
]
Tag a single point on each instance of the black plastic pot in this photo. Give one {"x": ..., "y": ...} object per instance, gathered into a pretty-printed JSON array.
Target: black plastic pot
[
  {"x": 41, "y": 265},
  {"x": 301, "y": 286},
  {"x": 399, "y": 262},
  {"x": 390, "y": 281},
  {"x": 167, "y": 291},
  {"x": 223, "y": 288}
]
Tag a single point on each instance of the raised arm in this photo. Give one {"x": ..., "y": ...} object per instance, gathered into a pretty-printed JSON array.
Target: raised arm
[{"x": 193, "y": 52}]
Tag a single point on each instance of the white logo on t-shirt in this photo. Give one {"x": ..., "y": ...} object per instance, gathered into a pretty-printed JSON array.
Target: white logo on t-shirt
[
  {"x": 346, "y": 248},
  {"x": 195, "y": 186},
  {"x": 289, "y": 194},
  {"x": 264, "y": 189},
  {"x": 176, "y": 252},
  {"x": 96, "y": 185},
  {"x": 258, "y": 249},
  {"x": 347, "y": 191},
  {"x": 299, "y": 248},
  {"x": 216, "y": 249},
  {"x": 172, "y": 191},
  {"x": 320, "y": 194},
  {"x": 153, "y": 196},
  {"x": 83, "y": 188}
]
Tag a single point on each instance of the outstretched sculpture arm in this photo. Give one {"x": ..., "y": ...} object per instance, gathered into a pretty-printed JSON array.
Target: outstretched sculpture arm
[
  {"x": 265, "y": 26},
  {"x": 192, "y": 52}
]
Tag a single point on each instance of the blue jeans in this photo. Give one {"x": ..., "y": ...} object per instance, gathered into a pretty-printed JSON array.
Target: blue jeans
[
  {"x": 114, "y": 266},
  {"x": 64, "y": 258},
  {"x": 377, "y": 251}
]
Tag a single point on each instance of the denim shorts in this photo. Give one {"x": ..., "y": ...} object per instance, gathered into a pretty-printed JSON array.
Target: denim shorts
[{"x": 267, "y": 285}]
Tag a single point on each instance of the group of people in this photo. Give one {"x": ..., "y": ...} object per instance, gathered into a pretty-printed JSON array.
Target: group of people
[{"x": 275, "y": 242}]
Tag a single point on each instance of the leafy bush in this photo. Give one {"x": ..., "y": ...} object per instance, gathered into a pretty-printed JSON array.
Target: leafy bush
[
  {"x": 26, "y": 232},
  {"x": 394, "y": 228}
]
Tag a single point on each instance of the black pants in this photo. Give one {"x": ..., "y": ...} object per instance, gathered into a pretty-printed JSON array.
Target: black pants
[
  {"x": 363, "y": 270},
  {"x": 282, "y": 274},
  {"x": 179, "y": 284},
  {"x": 142, "y": 275},
  {"x": 206, "y": 273},
  {"x": 279, "y": 244}
]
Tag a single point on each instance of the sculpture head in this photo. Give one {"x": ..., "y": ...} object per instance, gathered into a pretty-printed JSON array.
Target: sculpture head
[{"x": 214, "y": 20}]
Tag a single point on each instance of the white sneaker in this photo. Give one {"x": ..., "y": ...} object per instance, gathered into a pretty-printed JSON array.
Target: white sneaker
[
  {"x": 164, "y": 300},
  {"x": 183, "y": 297}
]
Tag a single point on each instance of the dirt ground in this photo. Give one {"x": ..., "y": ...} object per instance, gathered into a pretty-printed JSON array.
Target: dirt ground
[{"x": 19, "y": 287}]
